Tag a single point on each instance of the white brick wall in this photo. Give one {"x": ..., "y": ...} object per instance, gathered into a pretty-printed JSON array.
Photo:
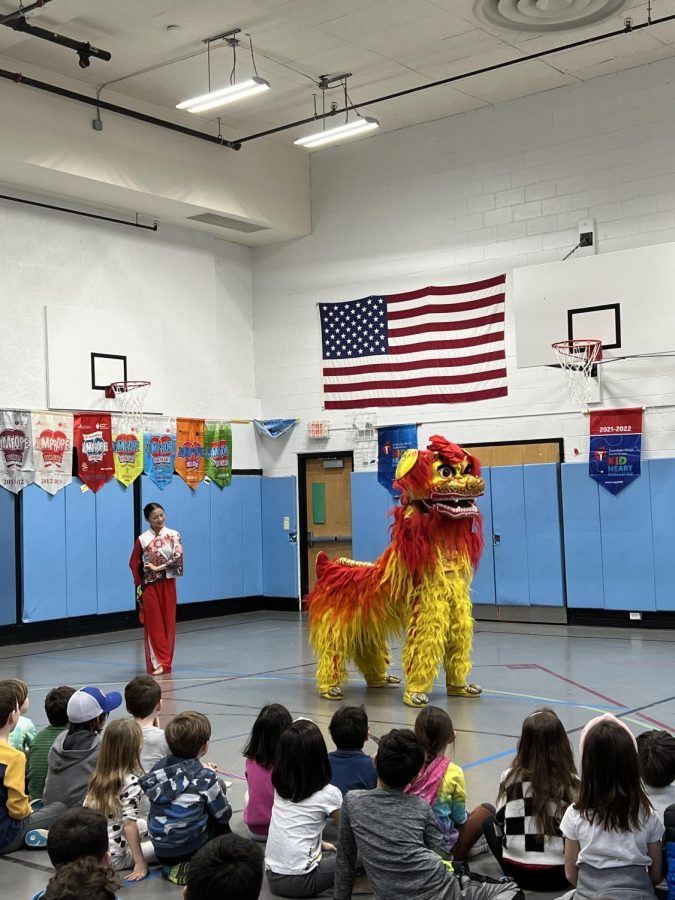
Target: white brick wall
[{"x": 465, "y": 198}]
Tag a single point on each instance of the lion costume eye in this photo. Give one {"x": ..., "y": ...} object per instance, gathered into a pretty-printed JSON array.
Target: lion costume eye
[{"x": 446, "y": 471}]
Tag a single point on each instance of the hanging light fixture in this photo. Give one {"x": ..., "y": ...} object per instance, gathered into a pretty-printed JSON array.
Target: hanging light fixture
[
  {"x": 348, "y": 129},
  {"x": 235, "y": 90}
]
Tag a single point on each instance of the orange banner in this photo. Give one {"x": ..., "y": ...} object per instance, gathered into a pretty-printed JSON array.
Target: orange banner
[{"x": 190, "y": 451}]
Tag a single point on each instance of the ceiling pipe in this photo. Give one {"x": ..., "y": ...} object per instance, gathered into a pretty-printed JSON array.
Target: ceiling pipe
[
  {"x": 236, "y": 144},
  {"x": 83, "y": 49},
  {"x": 22, "y": 11},
  {"x": 79, "y": 212}
]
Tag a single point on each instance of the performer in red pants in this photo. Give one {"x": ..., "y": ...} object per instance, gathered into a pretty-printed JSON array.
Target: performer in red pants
[{"x": 156, "y": 560}]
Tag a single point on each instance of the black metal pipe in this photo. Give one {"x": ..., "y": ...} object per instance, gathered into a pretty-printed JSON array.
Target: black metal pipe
[
  {"x": 85, "y": 50},
  {"x": 78, "y": 212},
  {"x": 20, "y": 12},
  {"x": 18, "y": 78},
  {"x": 627, "y": 29}
]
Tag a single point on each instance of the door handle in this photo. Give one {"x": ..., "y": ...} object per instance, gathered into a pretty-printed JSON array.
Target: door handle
[
  {"x": 496, "y": 538},
  {"x": 327, "y": 539}
]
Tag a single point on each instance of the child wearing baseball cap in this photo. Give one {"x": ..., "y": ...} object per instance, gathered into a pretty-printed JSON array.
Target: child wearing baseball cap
[{"x": 74, "y": 754}]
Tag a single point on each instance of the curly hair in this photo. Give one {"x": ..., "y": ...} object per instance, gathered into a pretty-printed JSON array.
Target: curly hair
[{"x": 84, "y": 879}]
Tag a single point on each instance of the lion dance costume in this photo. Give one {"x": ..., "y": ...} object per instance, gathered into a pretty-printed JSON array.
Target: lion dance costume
[{"x": 419, "y": 586}]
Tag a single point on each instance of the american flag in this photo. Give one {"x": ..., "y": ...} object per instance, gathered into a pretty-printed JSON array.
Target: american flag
[{"x": 435, "y": 345}]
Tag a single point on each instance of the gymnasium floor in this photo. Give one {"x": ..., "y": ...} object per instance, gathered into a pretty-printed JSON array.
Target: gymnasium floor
[{"x": 228, "y": 668}]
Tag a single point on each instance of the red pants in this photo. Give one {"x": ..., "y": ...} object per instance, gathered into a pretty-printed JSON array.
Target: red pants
[{"x": 158, "y": 615}]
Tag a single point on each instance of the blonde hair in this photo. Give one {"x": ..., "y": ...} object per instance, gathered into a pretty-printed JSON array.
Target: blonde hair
[{"x": 119, "y": 757}]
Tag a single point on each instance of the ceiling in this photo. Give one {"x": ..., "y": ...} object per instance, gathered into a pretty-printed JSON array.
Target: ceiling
[{"x": 388, "y": 45}]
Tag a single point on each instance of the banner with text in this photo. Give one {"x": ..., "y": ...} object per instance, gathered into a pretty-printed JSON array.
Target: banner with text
[
  {"x": 190, "y": 451},
  {"x": 392, "y": 442},
  {"x": 218, "y": 452},
  {"x": 615, "y": 446},
  {"x": 159, "y": 449},
  {"x": 127, "y": 451},
  {"x": 52, "y": 450},
  {"x": 93, "y": 440},
  {"x": 16, "y": 449}
]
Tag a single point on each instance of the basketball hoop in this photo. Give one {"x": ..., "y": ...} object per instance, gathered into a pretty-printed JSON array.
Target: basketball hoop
[
  {"x": 578, "y": 359},
  {"x": 130, "y": 398}
]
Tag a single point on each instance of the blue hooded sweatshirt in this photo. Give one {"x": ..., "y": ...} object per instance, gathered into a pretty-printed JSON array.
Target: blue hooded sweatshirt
[{"x": 183, "y": 794}]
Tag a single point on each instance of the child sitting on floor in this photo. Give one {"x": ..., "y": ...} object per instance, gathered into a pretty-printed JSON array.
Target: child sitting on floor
[
  {"x": 441, "y": 783},
  {"x": 350, "y": 766},
  {"x": 187, "y": 801},
  {"x": 56, "y": 706},
  {"x": 85, "y": 879},
  {"x": 143, "y": 699},
  {"x": 656, "y": 752},
  {"x": 229, "y": 867},
  {"x": 115, "y": 792},
  {"x": 24, "y": 731},
  {"x": 74, "y": 754},
  {"x": 398, "y": 838},
  {"x": 260, "y": 752}
]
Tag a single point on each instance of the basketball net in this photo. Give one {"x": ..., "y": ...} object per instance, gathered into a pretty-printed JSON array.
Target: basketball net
[
  {"x": 577, "y": 360},
  {"x": 129, "y": 397}
]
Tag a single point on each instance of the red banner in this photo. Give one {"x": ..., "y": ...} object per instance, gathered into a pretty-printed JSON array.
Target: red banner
[{"x": 93, "y": 441}]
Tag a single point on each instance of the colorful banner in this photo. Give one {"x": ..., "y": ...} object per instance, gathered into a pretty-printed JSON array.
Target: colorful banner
[
  {"x": 93, "y": 440},
  {"x": 392, "y": 442},
  {"x": 52, "y": 450},
  {"x": 16, "y": 450},
  {"x": 615, "y": 445},
  {"x": 218, "y": 452},
  {"x": 127, "y": 451},
  {"x": 159, "y": 449},
  {"x": 190, "y": 451},
  {"x": 274, "y": 428}
]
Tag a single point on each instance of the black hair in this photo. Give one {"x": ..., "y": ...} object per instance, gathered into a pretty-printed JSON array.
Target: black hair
[
  {"x": 656, "y": 752},
  {"x": 267, "y": 728},
  {"x": 142, "y": 696},
  {"x": 229, "y": 867},
  {"x": 149, "y": 507},
  {"x": 301, "y": 767},
  {"x": 399, "y": 758},
  {"x": 84, "y": 879},
  {"x": 78, "y": 832},
  {"x": 56, "y": 705},
  {"x": 96, "y": 725},
  {"x": 349, "y": 727}
]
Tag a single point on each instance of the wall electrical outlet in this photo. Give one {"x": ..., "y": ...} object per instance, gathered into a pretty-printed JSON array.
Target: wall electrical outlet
[
  {"x": 635, "y": 616},
  {"x": 287, "y": 525},
  {"x": 587, "y": 239}
]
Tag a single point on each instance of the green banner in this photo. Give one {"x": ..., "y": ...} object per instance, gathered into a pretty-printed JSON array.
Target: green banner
[{"x": 218, "y": 452}]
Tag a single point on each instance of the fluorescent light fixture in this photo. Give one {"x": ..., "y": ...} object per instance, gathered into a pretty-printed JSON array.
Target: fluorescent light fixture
[
  {"x": 230, "y": 94},
  {"x": 349, "y": 129}
]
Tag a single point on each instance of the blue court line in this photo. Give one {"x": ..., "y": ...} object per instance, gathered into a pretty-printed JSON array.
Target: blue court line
[{"x": 487, "y": 759}]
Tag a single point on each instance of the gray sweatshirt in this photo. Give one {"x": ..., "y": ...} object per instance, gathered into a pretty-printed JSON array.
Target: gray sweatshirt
[
  {"x": 72, "y": 760},
  {"x": 399, "y": 842}
]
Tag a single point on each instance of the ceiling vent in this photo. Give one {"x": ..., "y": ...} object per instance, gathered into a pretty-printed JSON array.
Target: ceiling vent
[
  {"x": 546, "y": 15},
  {"x": 226, "y": 222}
]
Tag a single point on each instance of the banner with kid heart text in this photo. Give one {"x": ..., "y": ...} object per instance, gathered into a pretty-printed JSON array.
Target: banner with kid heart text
[
  {"x": 93, "y": 440},
  {"x": 218, "y": 452},
  {"x": 190, "y": 451},
  {"x": 16, "y": 450},
  {"x": 127, "y": 451},
  {"x": 52, "y": 450},
  {"x": 159, "y": 449}
]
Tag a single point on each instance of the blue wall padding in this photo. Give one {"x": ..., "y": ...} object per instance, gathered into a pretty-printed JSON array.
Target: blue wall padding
[
  {"x": 508, "y": 521},
  {"x": 483, "y": 585},
  {"x": 583, "y": 542},
  {"x": 227, "y": 551},
  {"x": 43, "y": 557},
  {"x": 8, "y": 503},
  {"x": 662, "y": 485},
  {"x": 251, "y": 533},
  {"x": 370, "y": 522},
  {"x": 115, "y": 540},
  {"x": 280, "y": 560},
  {"x": 542, "y": 528},
  {"x": 82, "y": 540},
  {"x": 627, "y": 551}
]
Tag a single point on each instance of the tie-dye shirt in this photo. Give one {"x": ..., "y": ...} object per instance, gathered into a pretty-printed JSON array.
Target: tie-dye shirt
[
  {"x": 22, "y": 735},
  {"x": 449, "y": 800}
]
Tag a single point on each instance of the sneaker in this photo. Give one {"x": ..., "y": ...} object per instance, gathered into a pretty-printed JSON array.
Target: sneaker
[
  {"x": 481, "y": 846},
  {"x": 177, "y": 874},
  {"x": 36, "y": 838}
]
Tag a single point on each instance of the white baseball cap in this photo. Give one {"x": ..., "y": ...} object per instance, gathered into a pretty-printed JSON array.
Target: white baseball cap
[{"x": 89, "y": 703}]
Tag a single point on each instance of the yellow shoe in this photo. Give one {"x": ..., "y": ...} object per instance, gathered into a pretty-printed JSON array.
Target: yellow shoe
[
  {"x": 464, "y": 690},
  {"x": 333, "y": 693},
  {"x": 415, "y": 698},
  {"x": 387, "y": 681}
]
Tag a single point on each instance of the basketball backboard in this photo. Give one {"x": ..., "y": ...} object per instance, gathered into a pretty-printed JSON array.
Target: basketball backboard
[{"x": 625, "y": 299}]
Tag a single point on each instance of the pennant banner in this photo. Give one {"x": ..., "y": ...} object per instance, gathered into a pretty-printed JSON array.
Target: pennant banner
[
  {"x": 218, "y": 452},
  {"x": 190, "y": 451},
  {"x": 159, "y": 450},
  {"x": 392, "y": 442},
  {"x": 16, "y": 450},
  {"x": 93, "y": 439},
  {"x": 615, "y": 447},
  {"x": 274, "y": 428},
  {"x": 127, "y": 452},
  {"x": 52, "y": 450}
]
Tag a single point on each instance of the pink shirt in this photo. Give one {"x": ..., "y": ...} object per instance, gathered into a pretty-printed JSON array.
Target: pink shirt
[{"x": 258, "y": 812}]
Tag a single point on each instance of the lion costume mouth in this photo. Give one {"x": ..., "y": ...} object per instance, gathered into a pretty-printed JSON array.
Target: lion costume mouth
[{"x": 455, "y": 506}]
